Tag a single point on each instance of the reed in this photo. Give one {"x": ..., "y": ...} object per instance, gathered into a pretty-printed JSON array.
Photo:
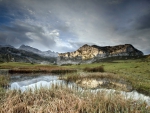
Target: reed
[{"x": 4, "y": 81}]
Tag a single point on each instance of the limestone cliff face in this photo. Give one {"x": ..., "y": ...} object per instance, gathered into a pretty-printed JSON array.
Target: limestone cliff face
[{"x": 89, "y": 54}]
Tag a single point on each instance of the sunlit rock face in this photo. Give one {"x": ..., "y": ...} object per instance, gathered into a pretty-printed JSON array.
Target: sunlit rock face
[{"x": 89, "y": 54}]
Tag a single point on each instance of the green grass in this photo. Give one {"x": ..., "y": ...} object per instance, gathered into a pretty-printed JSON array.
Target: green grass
[
  {"x": 11, "y": 65},
  {"x": 18, "y": 67}
]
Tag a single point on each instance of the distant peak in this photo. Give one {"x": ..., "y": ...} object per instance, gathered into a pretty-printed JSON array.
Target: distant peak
[
  {"x": 6, "y": 45},
  {"x": 24, "y": 46},
  {"x": 85, "y": 45}
]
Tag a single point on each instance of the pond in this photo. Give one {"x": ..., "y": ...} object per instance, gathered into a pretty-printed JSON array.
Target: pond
[
  {"x": 35, "y": 81},
  {"x": 25, "y": 81}
]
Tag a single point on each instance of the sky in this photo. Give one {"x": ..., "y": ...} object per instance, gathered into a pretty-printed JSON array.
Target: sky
[{"x": 66, "y": 25}]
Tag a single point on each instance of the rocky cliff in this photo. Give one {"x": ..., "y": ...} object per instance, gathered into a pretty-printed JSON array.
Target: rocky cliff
[{"x": 89, "y": 54}]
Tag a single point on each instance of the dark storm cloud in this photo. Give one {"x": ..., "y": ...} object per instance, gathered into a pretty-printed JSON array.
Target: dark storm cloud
[
  {"x": 14, "y": 35},
  {"x": 21, "y": 27},
  {"x": 22, "y": 33},
  {"x": 143, "y": 22},
  {"x": 65, "y": 25}
]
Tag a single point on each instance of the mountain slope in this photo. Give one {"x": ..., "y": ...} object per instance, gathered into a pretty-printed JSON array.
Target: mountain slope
[
  {"x": 8, "y": 54},
  {"x": 36, "y": 51},
  {"x": 88, "y": 54}
]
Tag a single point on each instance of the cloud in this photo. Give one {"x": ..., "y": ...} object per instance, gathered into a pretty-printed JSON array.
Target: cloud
[
  {"x": 143, "y": 21},
  {"x": 23, "y": 33},
  {"x": 64, "y": 25}
]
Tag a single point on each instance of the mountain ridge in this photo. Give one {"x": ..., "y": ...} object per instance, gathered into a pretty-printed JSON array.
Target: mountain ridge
[
  {"x": 11, "y": 54},
  {"x": 48, "y": 53},
  {"x": 89, "y": 54}
]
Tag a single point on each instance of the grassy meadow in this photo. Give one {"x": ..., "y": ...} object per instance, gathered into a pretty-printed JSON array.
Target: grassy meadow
[{"x": 66, "y": 100}]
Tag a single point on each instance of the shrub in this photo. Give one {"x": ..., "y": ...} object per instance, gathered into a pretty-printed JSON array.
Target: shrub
[{"x": 95, "y": 69}]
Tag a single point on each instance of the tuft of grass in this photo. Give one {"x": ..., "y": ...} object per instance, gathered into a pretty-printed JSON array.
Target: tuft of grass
[
  {"x": 94, "y": 69},
  {"x": 4, "y": 81},
  {"x": 70, "y": 77}
]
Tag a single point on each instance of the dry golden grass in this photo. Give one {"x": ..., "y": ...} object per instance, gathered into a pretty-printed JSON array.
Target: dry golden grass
[{"x": 61, "y": 99}]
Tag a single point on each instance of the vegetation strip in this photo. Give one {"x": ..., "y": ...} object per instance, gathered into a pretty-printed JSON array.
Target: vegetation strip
[{"x": 55, "y": 71}]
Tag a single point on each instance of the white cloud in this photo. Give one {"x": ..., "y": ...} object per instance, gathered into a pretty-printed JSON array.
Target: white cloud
[{"x": 30, "y": 11}]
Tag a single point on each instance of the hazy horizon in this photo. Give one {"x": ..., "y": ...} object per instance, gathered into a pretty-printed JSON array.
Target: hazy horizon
[{"x": 66, "y": 25}]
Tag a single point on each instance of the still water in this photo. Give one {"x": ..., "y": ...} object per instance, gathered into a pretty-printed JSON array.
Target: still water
[{"x": 25, "y": 82}]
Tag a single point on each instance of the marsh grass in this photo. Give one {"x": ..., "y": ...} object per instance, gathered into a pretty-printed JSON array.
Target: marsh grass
[
  {"x": 70, "y": 77},
  {"x": 61, "y": 99},
  {"x": 4, "y": 81}
]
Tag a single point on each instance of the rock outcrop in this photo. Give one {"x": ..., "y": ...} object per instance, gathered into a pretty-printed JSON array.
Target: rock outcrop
[{"x": 89, "y": 54}]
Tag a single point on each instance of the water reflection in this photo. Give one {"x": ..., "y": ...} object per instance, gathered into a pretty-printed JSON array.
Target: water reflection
[{"x": 25, "y": 82}]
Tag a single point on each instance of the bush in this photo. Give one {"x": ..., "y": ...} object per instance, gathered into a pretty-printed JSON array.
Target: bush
[{"x": 95, "y": 69}]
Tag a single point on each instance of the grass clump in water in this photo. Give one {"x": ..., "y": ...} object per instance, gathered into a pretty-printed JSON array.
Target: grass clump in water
[{"x": 4, "y": 80}]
